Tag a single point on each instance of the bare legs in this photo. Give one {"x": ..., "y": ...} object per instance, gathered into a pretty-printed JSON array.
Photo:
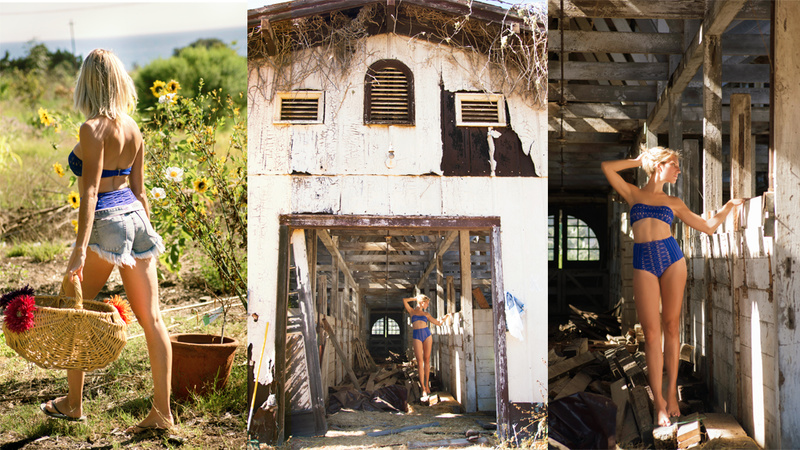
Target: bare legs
[
  {"x": 422, "y": 351},
  {"x": 646, "y": 288},
  {"x": 141, "y": 288}
]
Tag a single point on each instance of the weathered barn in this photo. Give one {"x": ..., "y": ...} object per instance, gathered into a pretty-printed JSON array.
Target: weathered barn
[
  {"x": 395, "y": 147},
  {"x": 717, "y": 80}
]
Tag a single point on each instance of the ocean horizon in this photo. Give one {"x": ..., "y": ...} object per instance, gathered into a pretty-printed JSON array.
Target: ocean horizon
[{"x": 135, "y": 51}]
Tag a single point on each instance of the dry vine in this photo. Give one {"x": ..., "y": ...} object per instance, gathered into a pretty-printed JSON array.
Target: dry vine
[{"x": 516, "y": 56}]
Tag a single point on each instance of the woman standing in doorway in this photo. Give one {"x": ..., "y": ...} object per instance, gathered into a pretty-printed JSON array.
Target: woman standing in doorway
[
  {"x": 659, "y": 268},
  {"x": 421, "y": 338},
  {"x": 113, "y": 224}
]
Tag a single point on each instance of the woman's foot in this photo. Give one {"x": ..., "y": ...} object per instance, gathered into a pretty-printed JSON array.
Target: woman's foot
[
  {"x": 673, "y": 407},
  {"x": 661, "y": 416},
  {"x": 153, "y": 422},
  {"x": 59, "y": 408}
]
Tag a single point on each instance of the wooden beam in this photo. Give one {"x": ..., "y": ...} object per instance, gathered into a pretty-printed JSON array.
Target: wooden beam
[
  {"x": 712, "y": 131},
  {"x": 309, "y": 331},
  {"x": 691, "y": 177},
  {"x": 743, "y": 158},
  {"x": 597, "y": 110},
  {"x": 471, "y": 403},
  {"x": 720, "y": 16},
  {"x": 574, "y": 70},
  {"x": 602, "y": 94},
  {"x": 758, "y": 96},
  {"x": 502, "y": 405},
  {"x": 595, "y": 125},
  {"x": 742, "y": 73},
  {"x": 341, "y": 353},
  {"x": 406, "y": 224},
  {"x": 381, "y": 246},
  {"x": 327, "y": 240},
  {"x": 649, "y": 9},
  {"x": 588, "y": 138},
  {"x": 614, "y": 42},
  {"x": 445, "y": 244}
]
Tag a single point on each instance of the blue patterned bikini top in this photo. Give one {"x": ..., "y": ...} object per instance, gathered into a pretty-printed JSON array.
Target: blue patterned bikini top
[
  {"x": 416, "y": 318},
  {"x": 641, "y": 211},
  {"x": 76, "y": 165}
]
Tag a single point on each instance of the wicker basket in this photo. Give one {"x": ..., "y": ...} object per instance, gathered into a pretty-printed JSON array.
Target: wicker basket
[{"x": 70, "y": 333}]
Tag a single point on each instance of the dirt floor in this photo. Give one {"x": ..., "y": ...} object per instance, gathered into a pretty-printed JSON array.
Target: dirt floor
[
  {"x": 348, "y": 429},
  {"x": 225, "y": 432}
]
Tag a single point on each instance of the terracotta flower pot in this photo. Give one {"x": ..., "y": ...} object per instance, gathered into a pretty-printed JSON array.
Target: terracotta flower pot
[{"x": 200, "y": 363}]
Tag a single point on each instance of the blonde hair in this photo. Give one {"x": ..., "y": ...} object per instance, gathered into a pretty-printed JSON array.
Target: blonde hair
[
  {"x": 104, "y": 88},
  {"x": 422, "y": 298},
  {"x": 652, "y": 157}
]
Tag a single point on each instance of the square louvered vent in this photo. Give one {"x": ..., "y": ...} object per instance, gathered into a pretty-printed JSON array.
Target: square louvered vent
[
  {"x": 299, "y": 107},
  {"x": 480, "y": 110},
  {"x": 389, "y": 97}
]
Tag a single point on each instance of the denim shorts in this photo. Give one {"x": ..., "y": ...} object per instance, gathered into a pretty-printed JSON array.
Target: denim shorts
[{"x": 122, "y": 234}]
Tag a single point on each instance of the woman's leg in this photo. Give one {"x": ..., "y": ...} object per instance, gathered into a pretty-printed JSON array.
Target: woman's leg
[
  {"x": 141, "y": 287},
  {"x": 420, "y": 355},
  {"x": 427, "y": 357},
  {"x": 673, "y": 282},
  {"x": 95, "y": 274},
  {"x": 646, "y": 294}
]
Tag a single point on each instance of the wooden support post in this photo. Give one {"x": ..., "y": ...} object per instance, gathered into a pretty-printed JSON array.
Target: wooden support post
[
  {"x": 712, "y": 120},
  {"x": 440, "y": 299},
  {"x": 281, "y": 321},
  {"x": 342, "y": 355},
  {"x": 675, "y": 133},
  {"x": 471, "y": 389},
  {"x": 743, "y": 158},
  {"x": 309, "y": 335},
  {"x": 311, "y": 245},
  {"x": 500, "y": 354},
  {"x": 691, "y": 184},
  {"x": 785, "y": 33}
]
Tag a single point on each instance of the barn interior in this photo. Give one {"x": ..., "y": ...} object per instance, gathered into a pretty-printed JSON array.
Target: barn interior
[{"x": 346, "y": 315}]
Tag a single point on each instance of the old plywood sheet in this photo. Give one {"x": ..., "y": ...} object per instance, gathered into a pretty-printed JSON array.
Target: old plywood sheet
[{"x": 570, "y": 365}]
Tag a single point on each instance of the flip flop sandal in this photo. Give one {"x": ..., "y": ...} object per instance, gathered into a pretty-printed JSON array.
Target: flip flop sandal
[{"x": 57, "y": 414}]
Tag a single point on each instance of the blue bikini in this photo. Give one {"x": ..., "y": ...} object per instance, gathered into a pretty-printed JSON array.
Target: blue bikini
[
  {"x": 105, "y": 200},
  {"x": 655, "y": 256},
  {"x": 420, "y": 334}
]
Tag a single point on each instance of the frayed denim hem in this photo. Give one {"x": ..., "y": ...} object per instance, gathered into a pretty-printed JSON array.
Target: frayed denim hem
[
  {"x": 113, "y": 258},
  {"x": 156, "y": 250}
]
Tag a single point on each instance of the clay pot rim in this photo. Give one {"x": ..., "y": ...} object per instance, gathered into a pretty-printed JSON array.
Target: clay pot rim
[{"x": 228, "y": 341}]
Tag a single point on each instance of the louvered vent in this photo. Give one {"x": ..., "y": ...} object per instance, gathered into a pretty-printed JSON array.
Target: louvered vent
[
  {"x": 389, "y": 89},
  {"x": 299, "y": 107},
  {"x": 480, "y": 110}
]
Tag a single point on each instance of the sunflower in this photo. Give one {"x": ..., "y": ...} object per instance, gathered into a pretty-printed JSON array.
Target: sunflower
[
  {"x": 158, "y": 88},
  {"x": 201, "y": 185},
  {"x": 123, "y": 308},
  {"x": 173, "y": 86},
  {"x": 74, "y": 199},
  {"x": 59, "y": 169},
  {"x": 19, "y": 314},
  {"x": 44, "y": 117}
]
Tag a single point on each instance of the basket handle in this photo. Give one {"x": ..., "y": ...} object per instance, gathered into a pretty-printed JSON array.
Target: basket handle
[{"x": 73, "y": 284}]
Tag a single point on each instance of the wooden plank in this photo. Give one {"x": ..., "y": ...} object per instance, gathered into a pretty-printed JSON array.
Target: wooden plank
[
  {"x": 712, "y": 131},
  {"x": 743, "y": 159},
  {"x": 574, "y": 70},
  {"x": 309, "y": 331},
  {"x": 570, "y": 365},
  {"x": 499, "y": 330},
  {"x": 443, "y": 246},
  {"x": 640, "y": 401},
  {"x": 615, "y": 42},
  {"x": 342, "y": 355},
  {"x": 597, "y": 110},
  {"x": 649, "y": 9},
  {"x": 382, "y": 246},
  {"x": 477, "y": 294},
  {"x": 578, "y": 383},
  {"x": 471, "y": 390},
  {"x": 602, "y": 94},
  {"x": 326, "y": 239}
]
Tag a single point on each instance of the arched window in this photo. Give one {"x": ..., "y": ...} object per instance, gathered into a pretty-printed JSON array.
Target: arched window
[
  {"x": 385, "y": 327},
  {"x": 572, "y": 240},
  {"x": 389, "y": 93}
]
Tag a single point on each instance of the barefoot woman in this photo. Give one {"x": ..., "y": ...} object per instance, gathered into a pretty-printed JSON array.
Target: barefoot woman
[
  {"x": 422, "y": 339},
  {"x": 113, "y": 224},
  {"x": 659, "y": 268}
]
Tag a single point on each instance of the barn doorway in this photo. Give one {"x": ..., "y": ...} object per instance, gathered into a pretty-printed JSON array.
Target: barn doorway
[{"x": 346, "y": 320}]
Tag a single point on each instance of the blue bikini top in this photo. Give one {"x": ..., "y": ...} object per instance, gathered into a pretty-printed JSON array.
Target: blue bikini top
[
  {"x": 641, "y": 211},
  {"x": 416, "y": 318},
  {"x": 76, "y": 165}
]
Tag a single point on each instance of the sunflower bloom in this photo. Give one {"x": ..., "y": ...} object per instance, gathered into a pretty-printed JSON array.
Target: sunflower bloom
[
  {"x": 158, "y": 88},
  {"x": 201, "y": 185},
  {"x": 58, "y": 169},
  {"x": 173, "y": 86},
  {"x": 44, "y": 117},
  {"x": 74, "y": 199},
  {"x": 175, "y": 174}
]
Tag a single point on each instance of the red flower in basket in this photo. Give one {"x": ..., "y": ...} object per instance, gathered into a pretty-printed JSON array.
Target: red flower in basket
[
  {"x": 6, "y": 298},
  {"x": 123, "y": 308},
  {"x": 19, "y": 313}
]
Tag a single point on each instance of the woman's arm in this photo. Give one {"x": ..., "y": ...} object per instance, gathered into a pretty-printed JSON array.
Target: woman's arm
[
  {"x": 136, "y": 178},
  {"x": 408, "y": 307},
  {"x": 434, "y": 320},
  {"x": 611, "y": 169},
  {"x": 707, "y": 226},
  {"x": 92, "y": 151}
]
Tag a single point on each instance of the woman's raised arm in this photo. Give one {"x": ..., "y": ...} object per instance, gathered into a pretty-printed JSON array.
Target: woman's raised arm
[
  {"x": 611, "y": 169},
  {"x": 707, "y": 226},
  {"x": 408, "y": 307}
]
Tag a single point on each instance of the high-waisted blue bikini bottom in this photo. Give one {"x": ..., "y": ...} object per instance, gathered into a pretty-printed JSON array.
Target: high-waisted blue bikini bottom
[
  {"x": 656, "y": 256},
  {"x": 421, "y": 334}
]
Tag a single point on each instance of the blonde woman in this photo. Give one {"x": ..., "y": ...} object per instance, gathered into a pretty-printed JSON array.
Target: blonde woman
[
  {"x": 113, "y": 224},
  {"x": 659, "y": 273},
  {"x": 421, "y": 338}
]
